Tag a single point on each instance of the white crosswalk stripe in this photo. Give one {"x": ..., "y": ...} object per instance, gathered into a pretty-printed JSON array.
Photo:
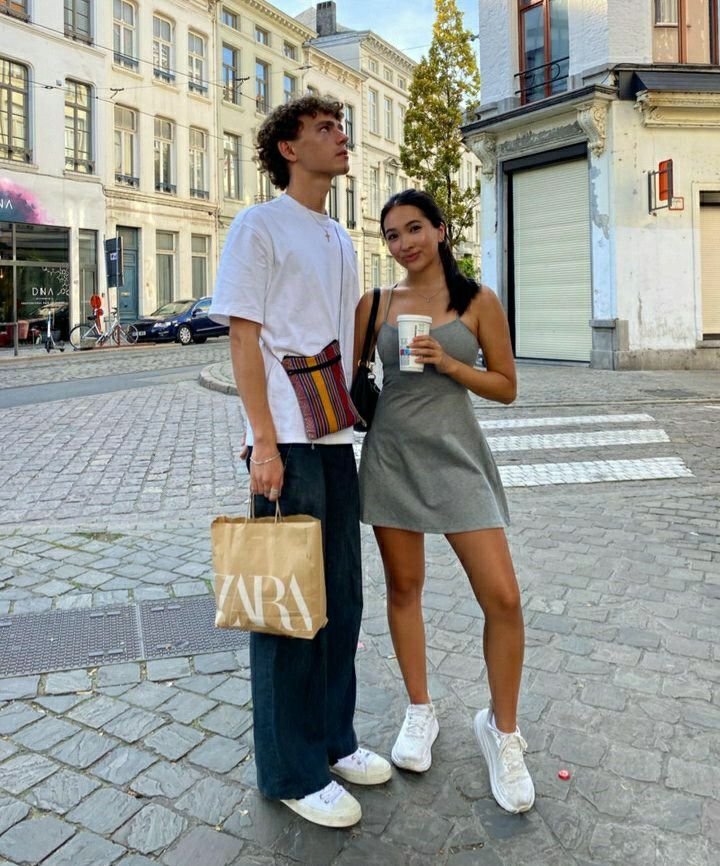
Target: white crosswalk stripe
[
  {"x": 576, "y": 440},
  {"x": 569, "y": 421},
  {"x": 591, "y": 471}
]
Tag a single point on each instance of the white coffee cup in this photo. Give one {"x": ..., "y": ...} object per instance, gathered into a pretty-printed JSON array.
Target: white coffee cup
[{"x": 410, "y": 326}]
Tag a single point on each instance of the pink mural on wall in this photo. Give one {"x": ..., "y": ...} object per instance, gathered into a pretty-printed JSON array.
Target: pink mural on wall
[{"x": 19, "y": 205}]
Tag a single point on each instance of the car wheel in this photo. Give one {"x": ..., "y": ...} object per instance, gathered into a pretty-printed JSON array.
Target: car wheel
[
  {"x": 199, "y": 339},
  {"x": 184, "y": 335}
]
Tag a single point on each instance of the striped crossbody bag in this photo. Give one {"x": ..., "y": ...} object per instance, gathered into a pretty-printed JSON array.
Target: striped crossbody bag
[{"x": 319, "y": 383}]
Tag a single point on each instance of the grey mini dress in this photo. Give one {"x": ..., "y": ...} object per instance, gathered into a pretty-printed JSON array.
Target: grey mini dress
[{"x": 425, "y": 464}]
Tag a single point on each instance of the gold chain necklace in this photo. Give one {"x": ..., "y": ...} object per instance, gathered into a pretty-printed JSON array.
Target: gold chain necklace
[{"x": 425, "y": 297}]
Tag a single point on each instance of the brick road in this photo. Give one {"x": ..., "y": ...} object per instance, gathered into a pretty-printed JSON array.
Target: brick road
[{"x": 109, "y": 501}]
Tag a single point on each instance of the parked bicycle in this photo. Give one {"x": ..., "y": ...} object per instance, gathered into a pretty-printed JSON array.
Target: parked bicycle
[
  {"x": 91, "y": 336},
  {"x": 48, "y": 339}
]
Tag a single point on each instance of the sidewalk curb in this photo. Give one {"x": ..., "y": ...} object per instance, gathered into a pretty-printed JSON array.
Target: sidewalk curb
[{"x": 210, "y": 380}]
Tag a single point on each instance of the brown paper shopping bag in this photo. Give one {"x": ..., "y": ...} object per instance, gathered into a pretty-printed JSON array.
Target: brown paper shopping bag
[{"x": 269, "y": 574}]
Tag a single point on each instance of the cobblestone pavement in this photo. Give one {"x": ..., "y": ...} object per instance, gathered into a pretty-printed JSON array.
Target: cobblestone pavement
[
  {"x": 109, "y": 502},
  {"x": 37, "y": 367}
]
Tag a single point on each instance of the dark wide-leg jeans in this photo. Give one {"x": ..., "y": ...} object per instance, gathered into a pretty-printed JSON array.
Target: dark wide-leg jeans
[{"x": 304, "y": 690}]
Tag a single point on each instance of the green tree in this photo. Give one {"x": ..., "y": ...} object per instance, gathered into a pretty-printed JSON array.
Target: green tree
[{"x": 446, "y": 83}]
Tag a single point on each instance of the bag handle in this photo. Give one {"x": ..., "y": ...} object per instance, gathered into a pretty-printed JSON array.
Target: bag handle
[
  {"x": 251, "y": 509},
  {"x": 370, "y": 332}
]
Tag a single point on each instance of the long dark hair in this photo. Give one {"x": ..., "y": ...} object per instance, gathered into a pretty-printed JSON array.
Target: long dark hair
[{"x": 462, "y": 289}]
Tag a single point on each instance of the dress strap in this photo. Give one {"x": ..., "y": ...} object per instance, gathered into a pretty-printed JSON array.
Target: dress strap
[{"x": 387, "y": 308}]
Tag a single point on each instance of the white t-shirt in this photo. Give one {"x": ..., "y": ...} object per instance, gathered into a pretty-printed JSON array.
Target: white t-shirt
[{"x": 279, "y": 269}]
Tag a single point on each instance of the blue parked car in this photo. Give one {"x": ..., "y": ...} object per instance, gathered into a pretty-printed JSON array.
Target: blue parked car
[{"x": 184, "y": 321}]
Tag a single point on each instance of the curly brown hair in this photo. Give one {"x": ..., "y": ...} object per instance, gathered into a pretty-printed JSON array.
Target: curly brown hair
[{"x": 284, "y": 124}]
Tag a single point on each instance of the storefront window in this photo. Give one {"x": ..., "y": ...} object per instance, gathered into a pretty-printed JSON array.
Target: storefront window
[
  {"x": 88, "y": 270},
  {"x": 35, "y": 283},
  {"x": 36, "y": 243}
]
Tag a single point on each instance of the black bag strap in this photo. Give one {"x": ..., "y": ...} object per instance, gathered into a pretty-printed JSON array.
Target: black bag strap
[{"x": 370, "y": 332}]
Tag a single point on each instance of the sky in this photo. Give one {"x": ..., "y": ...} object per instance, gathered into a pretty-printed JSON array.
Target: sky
[{"x": 406, "y": 24}]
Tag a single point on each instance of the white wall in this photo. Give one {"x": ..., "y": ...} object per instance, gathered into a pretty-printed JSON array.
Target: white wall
[
  {"x": 498, "y": 52},
  {"x": 657, "y": 288}
]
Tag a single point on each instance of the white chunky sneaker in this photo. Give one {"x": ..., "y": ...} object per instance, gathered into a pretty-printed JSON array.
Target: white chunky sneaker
[
  {"x": 510, "y": 781},
  {"x": 413, "y": 747},
  {"x": 333, "y": 806},
  {"x": 363, "y": 768}
]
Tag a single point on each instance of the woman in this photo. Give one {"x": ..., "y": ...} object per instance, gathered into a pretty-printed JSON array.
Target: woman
[{"x": 426, "y": 467}]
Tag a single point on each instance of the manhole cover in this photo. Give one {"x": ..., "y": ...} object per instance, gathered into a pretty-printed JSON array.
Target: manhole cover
[{"x": 37, "y": 643}]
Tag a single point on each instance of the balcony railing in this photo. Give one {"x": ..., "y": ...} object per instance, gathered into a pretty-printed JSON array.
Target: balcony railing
[
  {"x": 161, "y": 186},
  {"x": 539, "y": 81},
  {"x": 127, "y": 179},
  {"x": 85, "y": 166},
  {"x": 16, "y": 154},
  {"x": 125, "y": 60},
  {"x": 15, "y": 8},
  {"x": 261, "y": 105},
  {"x": 78, "y": 35},
  {"x": 197, "y": 86},
  {"x": 164, "y": 75},
  {"x": 199, "y": 193}
]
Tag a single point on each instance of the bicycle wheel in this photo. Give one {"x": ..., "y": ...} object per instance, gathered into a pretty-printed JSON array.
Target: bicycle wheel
[
  {"x": 130, "y": 333},
  {"x": 80, "y": 333}
]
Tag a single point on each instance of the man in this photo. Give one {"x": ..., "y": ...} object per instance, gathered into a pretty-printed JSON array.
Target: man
[{"x": 287, "y": 284}]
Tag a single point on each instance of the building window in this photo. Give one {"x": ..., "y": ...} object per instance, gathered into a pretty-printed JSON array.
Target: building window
[
  {"x": 350, "y": 202},
  {"x": 332, "y": 205},
  {"x": 87, "y": 254},
  {"x": 198, "y": 162},
  {"x": 262, "y": 36},
  {"x": 125, "y": 131},
  {"x": 666, "y": 12},
  {"x": 231, "y": 74},
  {"x": 375, "y": 278},
  {"x": 389, "y": 131},
  {"x": 200, "y": 249},
  {"x": 350, "y": 125},
  {"x": 686, "y": 31},
  {"x": 165, "y": 247},
  {"x": 290, "y": 51},
  {"x": 77, "y": 20},
  {"x": 388, "y": 74},
  {"x": 264, "y": 187},
  {"x": 373, "y": 66},
  {"x": 544, "y": 48},
  {"x": 164, "y": 156},
  {"x": 162, "y": 49},
  {"x": 402, "y": 83},
  {"x": 262, "y": 87},
  {"x": 232, "y": 178},
  {"x": 401, "y": 130},
  {"x": 403, "y": 183},
  {"x": 16, "y": 8},
  {"x": 78, "y": 128},
  {"x": 14, "y": 126},
  {"x": 289, "y": 87},
  {"x": 390, "y": 182},
  {"x": 124, "y": 33},
  {"x": 375, "y": 193},
  {"x": 229, "y": 19},
  {"x": 196, "y": 63},
  {"x": 373, "y": 120},
  {"x": 389, "y": 271}
]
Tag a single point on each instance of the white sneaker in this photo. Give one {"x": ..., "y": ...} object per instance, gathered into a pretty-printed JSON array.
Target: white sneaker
[
  {"x": 330, "y": 807},
  {"x": 363, "y": 768},
  {"x": 413, "y": 747},
  {"x": 510, "y": 781}
]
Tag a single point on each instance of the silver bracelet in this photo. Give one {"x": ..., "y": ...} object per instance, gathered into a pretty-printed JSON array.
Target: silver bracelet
[{"x": 261, "y": 462}]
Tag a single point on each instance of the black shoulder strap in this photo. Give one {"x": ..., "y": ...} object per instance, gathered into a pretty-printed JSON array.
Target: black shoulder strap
[{"x": 370, "y": 332}]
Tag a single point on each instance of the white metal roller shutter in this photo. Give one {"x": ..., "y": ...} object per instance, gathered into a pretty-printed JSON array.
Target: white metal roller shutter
[
  {"x": 710, "y": 264},
  {"x": 551, "y": 244}
]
